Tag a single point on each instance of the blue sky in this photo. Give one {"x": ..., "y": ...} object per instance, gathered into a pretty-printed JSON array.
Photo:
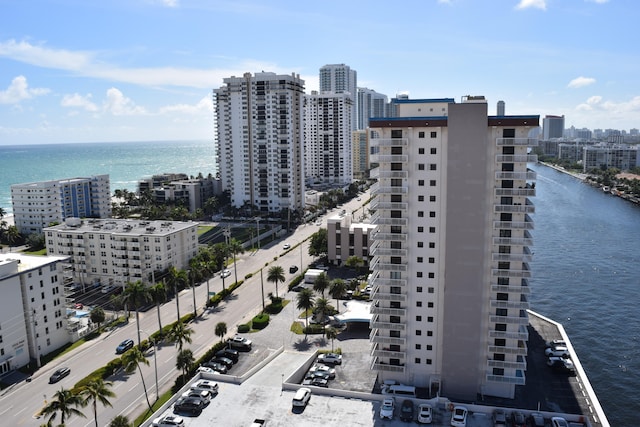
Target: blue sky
[{"x": 131, "y": 70}]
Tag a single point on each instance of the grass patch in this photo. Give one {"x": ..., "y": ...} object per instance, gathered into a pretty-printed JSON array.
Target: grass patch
[
  {"x": 41, "y": 252},
  {"x": 297, "y": 328},
  {"x": 204, "y": 228},
  {"x": 164, "y": 398}
]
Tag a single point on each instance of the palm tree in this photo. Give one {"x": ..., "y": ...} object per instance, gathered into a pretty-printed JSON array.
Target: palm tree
[
  {"x": 120, "y": 421},
  {"x": 337, "y": 290},
  {"x": 12, "y": 235},
  {"x": 136, "y": 294},
  {"x": 235, "y": 247},
  {"x": 180, "y": 334},
  {"x": 322, "y": 306},
  {"x": 96, "y": 391},
  {"x": 305, "y": 302},
  {"x": 175, "y": 279},
  {"x": 221, "y": 330},
  {"x": 321, "y": 283},
  {"x": 158, "y": 294},
  {"x": 132, "y": 360},
  {"x": 276, "y": 274},
  {"x": 66, "y": 402},
  {"x": 332, "y": 334},
  {"x": 185, "y": 361}
]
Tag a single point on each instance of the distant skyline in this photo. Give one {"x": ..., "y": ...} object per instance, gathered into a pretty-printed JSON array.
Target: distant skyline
[{"x": 135, "y": 70}]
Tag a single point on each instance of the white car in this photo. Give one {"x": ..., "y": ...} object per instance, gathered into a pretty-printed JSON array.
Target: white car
[
  {"x": 386, "y": 409},
  {"x": 204, "y": 395},
  {"x": 559, "y": 422},
  {"x": 225, "y": 273},
  {"x": 286, "y": 246},
  {"x": 459, "y": 416},
  {"x": 302, "y": 397},
  {"x": 206, "y": 370},
  {"x": 331, "y": 358},
  {"x": 425, "y": 414},
  {"x": 559, "y": 351},
  {"x": 555, "y": 343},
  {"x": 323, "y": 368},
  {"x": 168, "y": 421},
  {"x": 210, "y": 386}
]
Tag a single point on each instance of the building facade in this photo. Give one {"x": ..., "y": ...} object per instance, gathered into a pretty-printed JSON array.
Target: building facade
[
  {"x": 259, "y": 140},
  {"x": 346, "y": 238},
  {"x": 552, "y": 127},
  {"x": 111, "y": 253},
  {"x": 360, "y": 146},
  {"x": 327, "y": 138},
  {"x": 33, "y": 317},
  {"x": 38, "y": 204},
  {"x": 451, "y": 250},
  {"x": 370, "y": 104},
  {"x": 340, "y": 78},
  {"x": 605, "y": 156}
]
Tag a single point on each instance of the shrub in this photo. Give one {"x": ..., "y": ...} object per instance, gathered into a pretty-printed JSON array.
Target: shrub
[
  {"x": 296, "y": 281},
  {"x": 274, "y": 307},
  {"x": 260, "y": 321},
  {"x": 314, "y": 329},
  {"x": 244, "y": 328}
]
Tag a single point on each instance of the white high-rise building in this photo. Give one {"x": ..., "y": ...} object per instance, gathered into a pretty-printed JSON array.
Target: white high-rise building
[
  {"x": 33, "y": 316},
  {"x": 370, "y": 104},
  {"x": 552, "y": 127},
  {"x": 451, "y": 250},
  {"x": 111, "y": 253},
  {"x": 327, "y": 138},
  {"x": 38, "y": 204},
  {"x": 259, "y": 140},
  {"x": 340, "y": 78}
]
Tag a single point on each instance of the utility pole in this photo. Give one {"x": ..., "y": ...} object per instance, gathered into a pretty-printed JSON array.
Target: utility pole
[
  {"x": 262, "y": 285},
  {"x": 258, "y": 230}
]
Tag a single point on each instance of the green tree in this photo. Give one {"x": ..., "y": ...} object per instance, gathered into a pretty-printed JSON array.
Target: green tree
[
  {"x": 275, "y": 275},
  {"x": 319, "y": 244},
  {"x": 135, "y": 295},
  {"x": 221, "y": 330},
  {"x": 177, "y": 279},
  {"x": 67, "y": 403},
  {"x": 180, "y": 334},
  {"x": 12, "y": 235},
  {"x": 158, "y": 294},
  {"x": 305, "y": 302},
  {"x": 321, "y": 283},
  {"x": 354, "y": 262},
  {"x": 337, "y": 289},
  {"x": 185, "y": 361},
  {"x": 332, "y": 334},
  {"x": 120, "y": 421},
  {"x": 97, "y": 316},
  {"x": 35, "y": 241},
  {"x": 132, "y": 360},
  {"x": 96, "y": 391},
  {"x": 321, "y": 308},
  {"x": 235, "y": 247}
]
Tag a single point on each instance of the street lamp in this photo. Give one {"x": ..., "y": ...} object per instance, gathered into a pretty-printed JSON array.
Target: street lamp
[{"x": 155, "y": 361}]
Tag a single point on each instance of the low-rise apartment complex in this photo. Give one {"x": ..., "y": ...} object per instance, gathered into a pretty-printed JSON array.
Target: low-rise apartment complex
[{"x": 346, "y": 238}]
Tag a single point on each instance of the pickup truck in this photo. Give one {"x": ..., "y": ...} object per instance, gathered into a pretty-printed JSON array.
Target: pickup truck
[{"x": 259, "y": 423}]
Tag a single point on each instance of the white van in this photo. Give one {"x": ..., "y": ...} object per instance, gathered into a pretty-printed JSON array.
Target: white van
[{"x": 399, "y": 390}]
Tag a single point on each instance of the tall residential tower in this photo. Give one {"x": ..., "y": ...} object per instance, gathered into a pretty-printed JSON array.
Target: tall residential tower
[
  {"x": 259, "y": 140},
  {"x": 451, "y": 250},
  {"x": 340, "y": 78}
]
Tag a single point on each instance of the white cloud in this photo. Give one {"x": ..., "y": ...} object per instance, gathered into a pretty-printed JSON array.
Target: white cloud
[
  {"x": 43, "y": 57},
  {"x": 596, "y": 104},
  {"x": 537, "y": 4},
  {"x": 205, "y": 105},
  {"x": 19, "y": 90},
  {"x": 79, "y": 101},
  {"x": 581, "y": 82},
  {"x": 119, "y": 105}
]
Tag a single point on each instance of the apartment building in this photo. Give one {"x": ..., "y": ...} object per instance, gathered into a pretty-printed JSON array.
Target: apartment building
[
  {"x": 360, "y": 147},
  {"x": 552, "y": 127},
  {"x": 33, "y": 318},
  {"x": 370, "y": 104},
  {"x": 451, "y": 250},
  {"x": 111, "y": 253},
  {"x": 259, "y": 140},
  {"x": 340, "y": 78},
  {"x": 38, "y": 204},
  {"x": 327, "y": 139},
  {"x": 620, "y": 156},
  {"x": 346, "y": 238}
]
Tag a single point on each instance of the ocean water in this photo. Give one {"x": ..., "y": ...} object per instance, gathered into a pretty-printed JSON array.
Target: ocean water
[
  {"x": 586, "y": 266},
  {"x": 125, "y": 162}
]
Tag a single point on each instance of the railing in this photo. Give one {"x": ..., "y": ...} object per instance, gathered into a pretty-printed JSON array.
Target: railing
[{"x": 529, "y": 142}]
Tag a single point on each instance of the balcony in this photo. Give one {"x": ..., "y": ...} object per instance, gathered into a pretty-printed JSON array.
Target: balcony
[
  {"x": 507, "y": 365},
  {"x": 384, "y": 251},
  {"x": 374, "y": 337},
  {"x": 513, "y": 241},
  {"x": 514, "y": 225},
  {"x": 517, "y": 380},
  {"x": 511, "y": 320},
  {"x": 387, "y": 326},
  {"x": 388, "y": 142},
  {"x": 381, "y": 204},
  {"x": 382, "y": 220},
  {"x": 520, "y": 305},
  {"x": 526, "y": 192},
  {"x": 378, "y": 265},
  {"x": 376, "y": 351},
  {"x": 511, "y": 289},
  {"x": 517, "y": 158},
  {"x": 522, "y": 335},
  {"x": 377, "y": 189},
  {"x": 394, "y": 237},
  {"x": 388, "y": 311},
  {"x": 388, "y": 158},
  {"x": 383, "y": 281},
  {"x": 517, "y": 208},
  {"x": 519, "y": 351},
  {"x": 498, "y": 272},
  {"x": 377, "y": 365},
  {"x": 386, "y": 296},
  {"x": 521, "y": 257},
  {"x": 388, "y": 174},
  {"x": 526, "y": 142},
  {"x": 528, "y": 176}
]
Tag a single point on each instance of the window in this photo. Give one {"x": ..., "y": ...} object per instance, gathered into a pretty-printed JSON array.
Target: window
[
  {"x": 421, "y": 198},
  {"x": 419, "y": 274},
  {"x": 420, "y": 166},
  {"x": 420, "y": 134},
  {"x": 418, "y": 346},
  {"x": 432, "y": 260},
  {"x": 432, "y": 275},
  {"x": 429, "y": 347},
  {"x": 432, "y": 214},
  {"x": 419, "y": 289},
  {"x": 419, "y": 259},
  {"x": 418, "y": 303},
  {"x": 418, "y": 318},
  {"x": 417, "y": 360},
  {"x": 420, "y": 244},
  {"x": 432, "y": 198},
  {"x": 420, "y": 214},
  {"x": 430, "y": 304},
  {"x": 429, "y": 362},
  {"x": 498, "y": 371},
  {"x": 429, "y": 333},
  {"x": 420, "y": 229},
  {"x": 434, "y": 134},
  {"x": 430, "y": 290},
  {"x": 432, "y": 245},
  {"x": 420, "y": 150},
  {"x": 432, "y": 229},
  {"x": 433, "y": 151},
  {"x": 421, "y": 183},
  {"x": 418, "y": 332},
  {"x": 432, "y": 183},
  {"x": 432, "y": 166},
  {"x": 396, "y": 133},
  {"x": 430, "y": 319}
]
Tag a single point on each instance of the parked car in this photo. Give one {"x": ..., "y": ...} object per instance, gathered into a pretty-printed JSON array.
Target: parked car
[
  {"x": 459, "y": 416},
  {"x": 536, "y": 419},
  {"x": 387, "y": 408},
  {"x": 190, "y": 405},
  {"x": 425, "y": 414},
  {"x": 330, "y": 358},
  {"x": 168, "y": 421},
  {"x": 59, "y": 374},
  {"x": 206, "y": 370},
  {"x": 499, "y": 418},
  {"x": 225, "y": 273},
  {"x": 406, "y": 410},
  {"x": 555, "y": 343},
  {"x": 316, "y": 381},
  {"x": 205, "y": 395},
  {"x": 323, "y": 368},
  {"x": 517, "y": 419},
  {"x": 208, "y": 385},
  {"x": 286, "y": 246},
  {"x": 229, "y": 353},
  {"x": 215, "y": 366},
  {"x": 302, "y": 397},
  {"x": 293, "y": 269},
  {"x": 108, "y": 288},
  {"x": 124, "y": 346},
  {"x": 318, "y": 374},
  {"x": 239, "y": 343},
  {"x": 558, "y": 351},
  {"x": 561, "y": 364},
  {"x": 228, "y": 363},
  {"x": 559, "y": 422}
]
